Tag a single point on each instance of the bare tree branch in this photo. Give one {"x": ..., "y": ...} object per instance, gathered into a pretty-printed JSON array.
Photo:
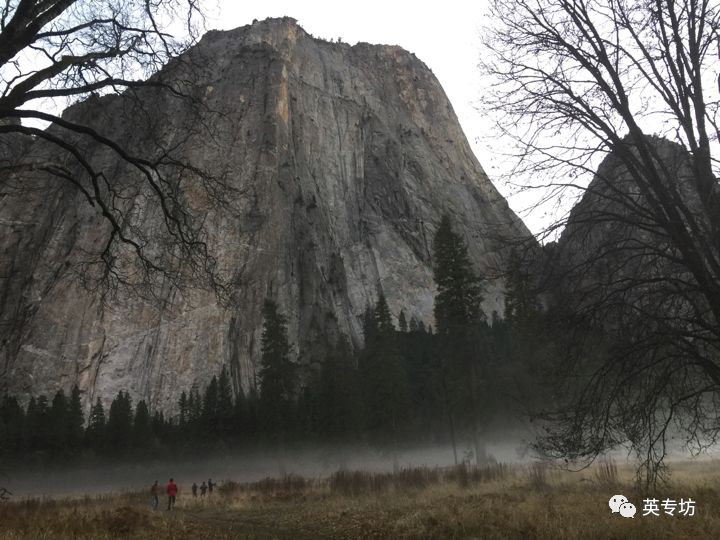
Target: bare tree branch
[
  {"x": 80, "y": 50},
  {"x": 637, "y": 268}
]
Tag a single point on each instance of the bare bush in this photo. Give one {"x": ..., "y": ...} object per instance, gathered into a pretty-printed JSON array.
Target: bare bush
[{"x": 606, "y": 473}]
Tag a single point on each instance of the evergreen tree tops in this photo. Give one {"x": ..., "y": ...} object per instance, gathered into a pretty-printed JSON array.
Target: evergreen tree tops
[
  {"x": 142, "y": 433},
  {"x": 521, "y": 304},
  {"x": 457, "y": 304},
  {"x": 277, "y": 371},
  {"x": 382, "y": 372},
  {"x": 399, "y": 383},
  {"x": 120, "y": 422},
  {"x": 218, "y": 409},
  {"x": 76, "y": 420},
  {"x": 95, "y": 432}
]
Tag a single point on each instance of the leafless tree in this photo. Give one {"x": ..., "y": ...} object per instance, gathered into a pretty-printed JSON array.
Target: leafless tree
[
  {"x": 105, "y": 56},
  {"x": 580, "y": 82}
]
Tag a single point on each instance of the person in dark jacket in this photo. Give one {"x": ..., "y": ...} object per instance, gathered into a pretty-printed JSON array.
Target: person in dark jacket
[
  {"x": 194, "y": 489},
  {"x": 203, "y": 489},
  {"x": 171, "y": 490},
  {"x": 154, "y": 491},
  {"x": 210, "y": 486}
]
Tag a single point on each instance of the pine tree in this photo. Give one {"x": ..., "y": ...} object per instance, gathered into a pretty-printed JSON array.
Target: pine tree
[
  {"x": 225, "y": 404},
  {"x": 457, "y": 303},
  {"x": 59, "y": 424},
  {"x": 31, "y": 428},
  {"x": 76, "y": 421},
  {"x": 521, "y": 305},
  {"x": 277, "y": 372},
  {"x": 209, "y": 417},
  {"x": 158, "y": 426},
  {"x": 142, "y": 433},
  {"x": 418, "y": 352},
  {"x": 414, "y": 326},
  {"x": 239, "y": 418},
  {"x": 119, "y": 424},
  {"x": 251, "y": 412},
  {"x": 382, "y": 318},
  {"x": 195, "y": 406},
  {"x": 369, "y": 325},
  {"x": 95, "y": 432},
  {"x": 193, "y": 432},
  {"x": 308, "y": 421},
  {"x": 402, "y": 322},
  {"x": 457, "y": 317},
  {"x": 12, "y": 418},
  {"x": 37, "y": 424},
  {"x": 384, "y": 379},
  {"x": 183, "y": 410},
  {"x": 338, "y": 398},
  {"x": 522, "y": 340}
]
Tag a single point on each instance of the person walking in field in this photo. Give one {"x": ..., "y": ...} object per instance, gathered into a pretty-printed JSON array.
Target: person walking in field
[
  {"x": 210, "y": 486},
  {"x": 194, "y": 489},
  {"x": 154, "y": 491},
  {"x": 171, "y": 490},
  {"x": 203, "y": 489}
]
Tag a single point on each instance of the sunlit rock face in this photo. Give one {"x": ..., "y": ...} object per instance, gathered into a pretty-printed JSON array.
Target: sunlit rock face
[{"x": 344, "y": 159}]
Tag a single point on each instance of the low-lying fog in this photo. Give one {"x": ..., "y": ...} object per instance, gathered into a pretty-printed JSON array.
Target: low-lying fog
[{"x": 96, "y": 479}]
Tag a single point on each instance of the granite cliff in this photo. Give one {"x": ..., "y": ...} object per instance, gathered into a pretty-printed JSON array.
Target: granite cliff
[{"x": 344, "y": 159}]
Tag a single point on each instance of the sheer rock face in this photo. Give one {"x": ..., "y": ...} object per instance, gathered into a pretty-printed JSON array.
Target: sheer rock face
[
  {"x": 613, "y": 237},
  {"x": 616, "y": 267},
  {"x": 344, "y": 157}
]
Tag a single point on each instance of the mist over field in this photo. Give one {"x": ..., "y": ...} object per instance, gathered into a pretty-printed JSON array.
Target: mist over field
[{"x": 245, "y": 466}]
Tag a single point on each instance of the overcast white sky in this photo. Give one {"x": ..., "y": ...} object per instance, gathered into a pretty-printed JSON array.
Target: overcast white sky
[{"x": 443, "y": 34}]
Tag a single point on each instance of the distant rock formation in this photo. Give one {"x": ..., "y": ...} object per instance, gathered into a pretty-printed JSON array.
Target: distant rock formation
[{"x": 345, "y": 158}]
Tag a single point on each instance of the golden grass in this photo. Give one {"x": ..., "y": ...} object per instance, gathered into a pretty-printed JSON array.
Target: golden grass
[{"x": 524, "y": 502}]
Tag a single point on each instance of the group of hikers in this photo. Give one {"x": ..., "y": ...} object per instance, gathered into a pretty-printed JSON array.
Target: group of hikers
[{"x": 172, "y": 490}]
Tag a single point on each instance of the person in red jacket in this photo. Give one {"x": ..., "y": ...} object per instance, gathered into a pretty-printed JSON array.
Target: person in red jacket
[{"x": 171, "y": 490}]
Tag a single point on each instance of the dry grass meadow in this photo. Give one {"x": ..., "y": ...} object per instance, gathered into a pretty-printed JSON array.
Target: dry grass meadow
[{"x": 523, "y": 502}]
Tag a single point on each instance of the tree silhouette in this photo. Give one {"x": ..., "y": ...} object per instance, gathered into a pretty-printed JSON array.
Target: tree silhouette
[
  {"x": 95, "y": 434},
  {"x": 402, "y": 322},
  {"x": 642, "y": 246},
  {"x": 76, "y": 421},
  {"x": 277, "y": 372},
  {"x": 339, "y": 400},
  {"x": 209, "y": 417},
  {"x": 12, "y": 425},
  {"x": 142, "y": 435},
  {"x": 384, "y": 379},
  {"x": 457, "y": 319},
  {"x": 119, "y": 424},
  {"x": 225, "y": 406},
  {"x": 59, "y": 424}
]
